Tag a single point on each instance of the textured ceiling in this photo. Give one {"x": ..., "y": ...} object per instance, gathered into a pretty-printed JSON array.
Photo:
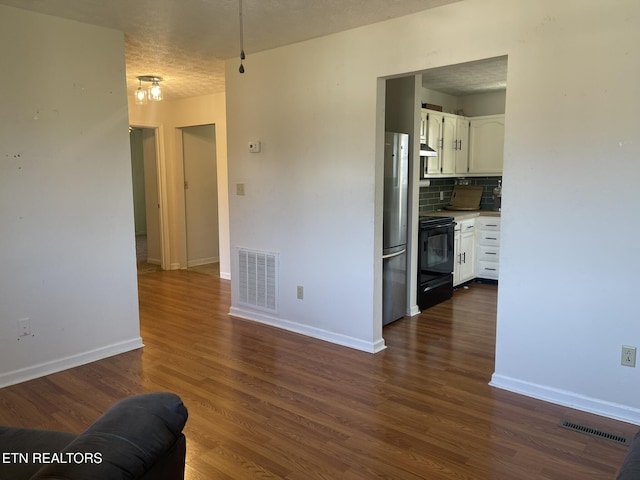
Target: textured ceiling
[
  {"x": 187, "y": 41},
  {"x": 468, "y": 78}
]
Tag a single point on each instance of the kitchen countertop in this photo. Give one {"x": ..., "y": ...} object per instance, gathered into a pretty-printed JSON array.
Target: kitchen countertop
[{"x": 460, "y": 214}]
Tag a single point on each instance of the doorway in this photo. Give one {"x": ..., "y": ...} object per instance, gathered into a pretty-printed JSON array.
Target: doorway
[
  {"x": 146, "y": 202},
  {"x": 201, "y": 199}
]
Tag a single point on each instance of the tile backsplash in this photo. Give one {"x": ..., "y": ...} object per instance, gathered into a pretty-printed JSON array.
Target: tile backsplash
[{"x": 430, "y": 196}]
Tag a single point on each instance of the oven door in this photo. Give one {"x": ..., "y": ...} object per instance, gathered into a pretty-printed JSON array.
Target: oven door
[{"x": 436, "y": 251}]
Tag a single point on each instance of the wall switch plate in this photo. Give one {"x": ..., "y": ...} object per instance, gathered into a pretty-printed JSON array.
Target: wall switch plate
[
  {"x": 239, "y": 188},
  {"x": 254, "y": 147},
  {"x": 628, "y": 358},
  {"x": 300, "y": 292}
]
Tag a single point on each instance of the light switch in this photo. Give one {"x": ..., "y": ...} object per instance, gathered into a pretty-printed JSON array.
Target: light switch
[{"x": 239, "y": 188}]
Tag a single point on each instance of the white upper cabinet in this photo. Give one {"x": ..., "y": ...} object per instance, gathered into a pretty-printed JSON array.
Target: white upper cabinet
[
  {"x": 448, "y": 144},
  {"x": 462, "y": 145},
  {"x": 486, "y": 144},
  {"x": 448, "y": 135},
  {"x": 465, "y": 145},
  {"x": 434, "y": 139},
  {"x": 423, "y": 126}
]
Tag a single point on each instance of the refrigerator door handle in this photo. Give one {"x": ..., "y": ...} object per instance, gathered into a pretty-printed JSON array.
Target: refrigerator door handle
[{"x": 391, "y": 255}]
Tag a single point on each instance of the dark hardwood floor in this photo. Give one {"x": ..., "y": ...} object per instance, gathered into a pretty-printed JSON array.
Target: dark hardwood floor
[{"x": 265, "y": 403}]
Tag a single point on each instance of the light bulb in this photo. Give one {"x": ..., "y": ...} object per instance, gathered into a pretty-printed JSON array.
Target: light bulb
[
  {"x": 155, "y": 92},
  {"x": 141, "y": 95}
]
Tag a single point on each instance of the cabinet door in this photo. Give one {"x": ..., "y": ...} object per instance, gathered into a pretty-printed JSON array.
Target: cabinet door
[
  {"x": 457, "y": 257},
  {"x": 486, "y": 144},
  {"x": 468, "y": 264},
  {"x": 423, "y": 126},
  {"x": 462, "y": 145},
  {"x": 465, "y": 252},
  {"x": 449, "y": 142},
  {"x": 434, "y": 139}
]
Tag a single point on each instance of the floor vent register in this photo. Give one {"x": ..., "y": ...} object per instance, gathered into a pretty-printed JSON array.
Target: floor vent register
[{"x": 595, "y": 432}]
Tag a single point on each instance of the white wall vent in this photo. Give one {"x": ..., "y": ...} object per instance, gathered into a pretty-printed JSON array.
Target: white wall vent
[{"x": 258, "y": 279}]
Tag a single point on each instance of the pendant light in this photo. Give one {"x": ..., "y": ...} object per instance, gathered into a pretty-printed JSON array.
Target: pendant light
[
  {"x": 241, "y": 69},
  {"x": 155, "y": 92},
  {"x": 141, "y": 94}
]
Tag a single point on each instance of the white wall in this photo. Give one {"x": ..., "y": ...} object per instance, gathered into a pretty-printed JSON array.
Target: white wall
[
  {"x": 475, "y": 105},
  {"x": 137, "y": 174},
  {"x": 67, "y": 246},
  {"x": 310, "y": 193},
  {"x": 449, "y": 103},
  {"x": 491, "y": 103},
  {"x": 566, "y": 301},
  {"x": 168, "y": 117}
]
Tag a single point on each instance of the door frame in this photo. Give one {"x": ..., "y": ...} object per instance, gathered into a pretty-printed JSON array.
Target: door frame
[{"x": 163, "y": 214}]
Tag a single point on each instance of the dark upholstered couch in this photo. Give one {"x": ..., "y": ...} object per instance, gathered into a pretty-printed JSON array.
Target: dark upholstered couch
[
  {"x": 630, "y": 468},
  {"x": 140, "y": 437}
]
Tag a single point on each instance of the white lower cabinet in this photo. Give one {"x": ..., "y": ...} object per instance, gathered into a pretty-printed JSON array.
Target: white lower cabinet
[
  {"x": 488, "y": 234},
  {"x": 464, "y": 267}
]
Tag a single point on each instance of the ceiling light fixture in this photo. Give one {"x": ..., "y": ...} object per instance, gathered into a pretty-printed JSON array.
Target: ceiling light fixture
[
  {"x": 241, "y": 69},
  {"x": 154, "y": 92}
]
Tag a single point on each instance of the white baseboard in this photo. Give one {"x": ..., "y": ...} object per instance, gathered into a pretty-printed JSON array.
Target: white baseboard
[
  {"x": 414, "y": 311},
  {"x": 225, "y": 275},
  {"x": 567, "y": 399},
  {"x": 202, "y": 261},
  {"x": 154, "y": 261},
  {"x": 346, "y": 341},
  {"x": 54, "y": 366}
]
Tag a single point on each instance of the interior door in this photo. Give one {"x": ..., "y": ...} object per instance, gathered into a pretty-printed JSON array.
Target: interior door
[
  {"x": 201, "y": 195},
  {"x": 146, "y": 201}
]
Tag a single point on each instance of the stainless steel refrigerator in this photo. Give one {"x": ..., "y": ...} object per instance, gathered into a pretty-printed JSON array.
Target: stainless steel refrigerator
[{"x": 394, "y": 227}]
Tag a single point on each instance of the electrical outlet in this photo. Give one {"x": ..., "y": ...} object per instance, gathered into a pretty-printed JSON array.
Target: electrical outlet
[
  {"x": 628, "y": 358},
  {"x": 240, "y": 189},
  {"x": 24, "y": 327},
  {"x": 255, "y": 146},
  {"x": 300, "y": 292}
]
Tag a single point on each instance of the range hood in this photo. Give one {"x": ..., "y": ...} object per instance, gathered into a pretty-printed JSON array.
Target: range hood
[{"x": 427, "y": 151}]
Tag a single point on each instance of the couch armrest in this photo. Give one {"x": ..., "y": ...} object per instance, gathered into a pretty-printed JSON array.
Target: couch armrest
[
  {"x": 630, "y": 468},
  {"x": 125, "y": 442}
]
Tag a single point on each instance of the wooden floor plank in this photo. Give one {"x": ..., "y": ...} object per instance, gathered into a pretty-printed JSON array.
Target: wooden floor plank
[{"x": 266, "y": 403}]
